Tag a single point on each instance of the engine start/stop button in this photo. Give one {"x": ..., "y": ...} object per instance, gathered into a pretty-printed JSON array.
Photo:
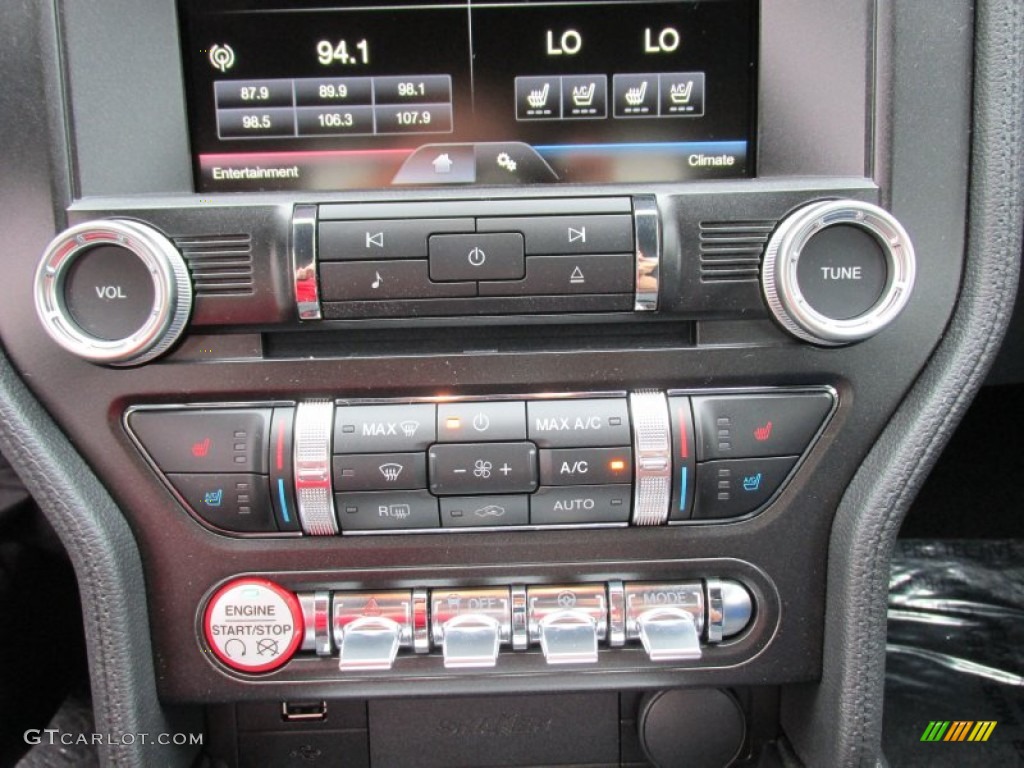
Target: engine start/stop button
[{"x": 253, "y": 625}]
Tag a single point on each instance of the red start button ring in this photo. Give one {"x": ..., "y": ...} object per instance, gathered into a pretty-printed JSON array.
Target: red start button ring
[{"x": 253, "y": 625}]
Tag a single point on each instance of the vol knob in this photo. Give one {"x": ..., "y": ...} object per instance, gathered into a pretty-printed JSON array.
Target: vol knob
[
  {"x": 113, "y": 291},
  {"x": 838, "y": 271}
]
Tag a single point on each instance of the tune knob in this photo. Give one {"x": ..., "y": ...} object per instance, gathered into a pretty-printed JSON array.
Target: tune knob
[
  {"x": 113, "y": 291},
  {"x": 838, "y": 271}
]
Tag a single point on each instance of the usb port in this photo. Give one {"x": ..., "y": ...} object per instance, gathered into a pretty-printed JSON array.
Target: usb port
[{"x": 303, "y": 711}]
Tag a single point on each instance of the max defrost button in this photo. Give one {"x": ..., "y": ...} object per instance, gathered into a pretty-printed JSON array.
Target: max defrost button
[
  {"x": 253, "y": 625},
  {"x": 384, "y": 428}
]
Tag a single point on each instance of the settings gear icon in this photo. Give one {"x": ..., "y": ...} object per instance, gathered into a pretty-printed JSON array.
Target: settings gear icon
[{"x": 505, "y": 161}]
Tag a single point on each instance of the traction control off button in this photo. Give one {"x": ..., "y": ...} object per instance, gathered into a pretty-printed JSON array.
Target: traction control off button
[{"x": 253, "y": 625}]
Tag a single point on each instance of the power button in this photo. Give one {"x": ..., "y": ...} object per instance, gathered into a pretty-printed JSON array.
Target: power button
[{"x": 253, "y": 625}]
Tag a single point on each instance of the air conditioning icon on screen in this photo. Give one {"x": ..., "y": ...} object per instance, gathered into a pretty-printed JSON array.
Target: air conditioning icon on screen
[
  {"x": 680, "y": 93},
  {"x": 583, "y": 95}
]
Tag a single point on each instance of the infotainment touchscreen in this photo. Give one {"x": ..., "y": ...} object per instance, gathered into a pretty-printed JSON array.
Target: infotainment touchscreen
[{"x": 370, "y": 95}]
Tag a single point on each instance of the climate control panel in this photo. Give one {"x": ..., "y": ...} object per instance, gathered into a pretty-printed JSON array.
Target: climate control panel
[{"x": 323, "y": 467}]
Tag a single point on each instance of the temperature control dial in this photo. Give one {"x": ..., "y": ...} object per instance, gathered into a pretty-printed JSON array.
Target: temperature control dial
[
  {"x": 114, "y": 292},
  {"x": 838, "y": 271}
]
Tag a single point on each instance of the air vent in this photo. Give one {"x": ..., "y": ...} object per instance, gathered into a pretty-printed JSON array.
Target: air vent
[
  {"x": 221, "y": 265},
  {"x": 732, "y": 250}
]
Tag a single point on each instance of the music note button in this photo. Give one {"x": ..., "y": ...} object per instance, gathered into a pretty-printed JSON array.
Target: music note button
[{"x": 385, "y": 280}]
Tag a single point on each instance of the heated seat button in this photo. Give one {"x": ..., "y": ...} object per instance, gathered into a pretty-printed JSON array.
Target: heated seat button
[
  {"x": 568, "y": 234},
  {"x": 384, "y": 428},
  {"x": 570, "y": 423},
  {"x": 738, "y": 486},
  {"x": 382, "y": 239},
  {"x": 477, "y": 257},
  {"x": 386, "y": 511},
  {"x": 205, "y": 440},
  {"x": 478, "y": 422},
  {"x": 469, "y": 468},
  {"x": 235, "y": 502},
  {"x": 581, "y": 504},
  {"x": 586, "y": 466},
  {"x": 484, "y": 511},
  {"x": 380, "y": 472},
  {"x": 742, "y": 426}
]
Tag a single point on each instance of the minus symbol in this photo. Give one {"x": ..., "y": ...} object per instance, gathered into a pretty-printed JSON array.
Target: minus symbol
[{"x": 459, "y": 471}]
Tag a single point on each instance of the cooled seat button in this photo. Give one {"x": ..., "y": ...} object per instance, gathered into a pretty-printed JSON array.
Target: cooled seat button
[
  {"x": 232, "y": 502},
  {"x": 253, "y": 625},
  {"x": 737, "y": 487}
]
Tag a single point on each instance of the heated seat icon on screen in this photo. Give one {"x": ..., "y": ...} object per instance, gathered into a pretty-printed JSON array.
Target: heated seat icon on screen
[{"x": 538, "y": 97}]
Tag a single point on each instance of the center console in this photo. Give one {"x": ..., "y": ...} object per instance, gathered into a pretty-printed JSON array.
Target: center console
[{"x": 491, "y": 352}]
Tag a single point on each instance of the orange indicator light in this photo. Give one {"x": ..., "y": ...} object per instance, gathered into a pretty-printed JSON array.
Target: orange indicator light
[
  {"x": 454, "y": 422},
  {"x": 616, "y": 465}
]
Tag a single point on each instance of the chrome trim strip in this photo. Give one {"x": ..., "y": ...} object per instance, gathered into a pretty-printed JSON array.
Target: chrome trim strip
[
  {"x": 420, "y": 621},
  {"x": 715, "y": 610},
  {"x": 616, "y": 614},
  {"x": 322, "y": 623},
  {"x": 648, "y": 252},
  {"x": 520, "y": 629},
  {"x": 314, "y": 494},
  {"x": 652, "y": 457},
  {"x": 305, "y": 281}
]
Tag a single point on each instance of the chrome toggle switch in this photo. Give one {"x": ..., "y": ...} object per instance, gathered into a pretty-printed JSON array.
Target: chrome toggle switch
[
  {"x": 730, "y": 608},
  {"x": 316, "y": 615},
  {"x": 370, "y": 627},
  {"x": 568, "y": 621},
  {"x": 470, "y": 625},
  {"x": 667, "y": 618}
]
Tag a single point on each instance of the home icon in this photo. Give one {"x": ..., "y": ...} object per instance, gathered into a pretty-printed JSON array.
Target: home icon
[{"x": 442, "y": 163}]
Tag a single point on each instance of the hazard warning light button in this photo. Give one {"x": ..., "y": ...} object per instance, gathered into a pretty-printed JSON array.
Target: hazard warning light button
[{"x": 253, "y": 625}]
